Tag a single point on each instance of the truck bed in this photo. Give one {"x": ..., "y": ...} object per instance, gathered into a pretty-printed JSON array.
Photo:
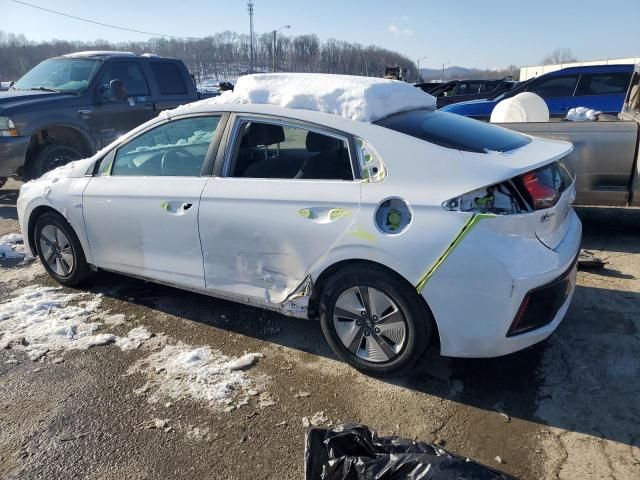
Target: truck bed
[{"x": 605, "y": 158}]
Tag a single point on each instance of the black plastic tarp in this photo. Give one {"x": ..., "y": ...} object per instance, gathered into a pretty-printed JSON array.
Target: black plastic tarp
[{"x": 354, "y": 452}]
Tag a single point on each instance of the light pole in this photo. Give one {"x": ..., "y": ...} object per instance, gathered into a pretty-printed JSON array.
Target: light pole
[
  {"x": 421, "y": 58},
  {"x": 443, "y": 65},
  {"x": 273, "y": 55}
]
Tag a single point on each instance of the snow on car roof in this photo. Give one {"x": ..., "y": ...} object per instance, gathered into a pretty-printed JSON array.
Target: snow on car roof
[{"x": 363, "y": 99}]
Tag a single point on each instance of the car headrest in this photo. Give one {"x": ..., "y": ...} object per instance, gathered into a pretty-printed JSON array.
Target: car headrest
[
  {"x": 259, "y": 134},
  {"x": 316, "y": 142}
]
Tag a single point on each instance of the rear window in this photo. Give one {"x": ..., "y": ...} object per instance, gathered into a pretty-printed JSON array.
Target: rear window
[
  {"x": 454, "y": 131},
  {"x": 168, "y": 78},
  {"x": 603, "y": 83}
]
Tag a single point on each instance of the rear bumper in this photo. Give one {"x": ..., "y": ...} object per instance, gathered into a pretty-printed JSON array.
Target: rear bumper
[
  {"x": 478, "y": 292},
  {"x": 12, "y": 154}
]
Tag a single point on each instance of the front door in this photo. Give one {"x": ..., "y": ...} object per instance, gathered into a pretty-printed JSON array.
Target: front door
[
  {"x": 286, "y": 196},
  {"x": 141, "y": 212},
  {"x": 110, "y": 118}
]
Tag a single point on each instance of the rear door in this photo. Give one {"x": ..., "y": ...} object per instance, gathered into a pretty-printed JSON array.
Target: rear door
[
  {"x": 603, "y": 91},
  {"x": 285, "y": 195},
  {"x": 172, "y": 86},
  {"x": 141, "y": 211}
]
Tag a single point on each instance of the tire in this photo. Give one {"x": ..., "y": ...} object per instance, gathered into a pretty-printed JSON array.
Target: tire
[
  {"x": 60, "y": 251},
  {"x": 402, "y": 329},
  {"x": 52, "y": 156}
]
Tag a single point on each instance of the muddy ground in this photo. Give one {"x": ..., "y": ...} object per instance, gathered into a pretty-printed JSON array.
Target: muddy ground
[{"x": 572, "y": 403}]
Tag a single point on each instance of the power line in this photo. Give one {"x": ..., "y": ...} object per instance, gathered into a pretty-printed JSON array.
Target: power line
[{"x": 102, "y": 24}]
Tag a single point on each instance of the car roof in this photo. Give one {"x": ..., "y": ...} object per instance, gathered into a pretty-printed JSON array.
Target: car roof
[
  {"x": 593, "y": 69},
  {"x": 110, "y": 54}
]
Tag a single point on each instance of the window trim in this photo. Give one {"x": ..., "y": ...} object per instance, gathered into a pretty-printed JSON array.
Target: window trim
[
  {"x": 227, "y": 151},
  {"x": 209, "y": 159}
]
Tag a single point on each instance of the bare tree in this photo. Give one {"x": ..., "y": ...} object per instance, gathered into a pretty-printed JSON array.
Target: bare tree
[
  {"x": 559, "y": 55},
  {"x": 220, "y": 56}
]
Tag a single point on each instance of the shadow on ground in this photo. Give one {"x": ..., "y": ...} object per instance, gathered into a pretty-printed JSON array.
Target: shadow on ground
[{"x": 8, "y": 198}]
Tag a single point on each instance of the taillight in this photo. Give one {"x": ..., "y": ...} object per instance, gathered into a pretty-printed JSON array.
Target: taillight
[
  {"x": 540, "y": 195},
  {"x": 535, "y": 190}
]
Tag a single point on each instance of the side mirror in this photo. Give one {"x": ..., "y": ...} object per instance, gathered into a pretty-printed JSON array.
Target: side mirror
[{"x": 118, "y": 92}]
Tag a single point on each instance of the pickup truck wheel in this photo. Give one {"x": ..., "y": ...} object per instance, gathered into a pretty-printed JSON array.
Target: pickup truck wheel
[{"x": 52, "y": 156}]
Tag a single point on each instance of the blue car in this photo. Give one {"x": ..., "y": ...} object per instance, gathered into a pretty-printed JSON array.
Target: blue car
[{"x": 601, "y": 87}]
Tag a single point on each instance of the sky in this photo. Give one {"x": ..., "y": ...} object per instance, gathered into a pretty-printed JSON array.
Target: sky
[{"x": 461, "y": 32}]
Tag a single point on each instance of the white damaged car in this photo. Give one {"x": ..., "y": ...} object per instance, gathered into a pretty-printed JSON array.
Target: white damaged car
[{"x": 344, "y": 199}]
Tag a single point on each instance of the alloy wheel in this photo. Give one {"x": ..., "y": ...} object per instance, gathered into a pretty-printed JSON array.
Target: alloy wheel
[
  {"x": 370, "y": 324},
  {"x": 56, "y": 250}
]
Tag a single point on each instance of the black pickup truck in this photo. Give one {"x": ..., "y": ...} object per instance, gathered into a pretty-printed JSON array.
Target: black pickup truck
[{"x": 69, "y": 107}]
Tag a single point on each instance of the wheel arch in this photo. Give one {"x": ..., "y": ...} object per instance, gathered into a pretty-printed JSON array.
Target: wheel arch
[
  {"x": 61, "y": 133},
  {"x": 321, "y": 281},
  {"x": 35, "y": 214}
]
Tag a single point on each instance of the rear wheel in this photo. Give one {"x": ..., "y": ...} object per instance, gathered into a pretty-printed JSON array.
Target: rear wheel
[
  {"x": 52, "y": 156},
  {"x": 60, "y": 251},
  {"x": 374, "y": 321}
]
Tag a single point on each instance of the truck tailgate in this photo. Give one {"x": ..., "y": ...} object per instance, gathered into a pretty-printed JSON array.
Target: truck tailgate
[{"x": 603, "y": 159}]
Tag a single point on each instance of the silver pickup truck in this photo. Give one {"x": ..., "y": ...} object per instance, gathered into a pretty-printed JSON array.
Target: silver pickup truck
[{"x": 605, "y": 155}]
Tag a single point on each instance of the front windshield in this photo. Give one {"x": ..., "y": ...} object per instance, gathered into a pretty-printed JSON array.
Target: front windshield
[{"x": 59, "y": 75}]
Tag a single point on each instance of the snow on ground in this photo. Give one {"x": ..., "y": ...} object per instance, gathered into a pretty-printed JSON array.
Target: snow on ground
[
  {"x": 11, "y": 246},
  {"x": 41, "y": 319},
  {"x": 364, "y": 99},
  {"x": 202, "y": 374},
  {"x": 134, "y": 339}
]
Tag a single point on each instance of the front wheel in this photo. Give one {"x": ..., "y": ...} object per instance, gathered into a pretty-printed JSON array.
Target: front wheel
[
  {"x": 52, "y": 156},
  {"x": 60, "y": 251},
  {"x": 374, "y": 321}
]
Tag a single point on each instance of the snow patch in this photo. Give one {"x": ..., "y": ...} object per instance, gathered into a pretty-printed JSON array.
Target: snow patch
[
  {"x": 42, "y": 319},
  {"x": 202, "y": 374},
  {"x": 11, "y": 246},
  {"x": 134, "y": 339},
  {"x": 363, "y": 99}
]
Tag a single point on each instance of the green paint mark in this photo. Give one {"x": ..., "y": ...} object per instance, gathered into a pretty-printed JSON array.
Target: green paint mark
[
  {"x": 394, "y": 217},
  {"x": 363, "y": 235},
  {"x": 165, "y": 206},
  {"x": 336, "y": 213},
  {"x": 472, "y": 222},
  {"x": 306, "y": 213}
]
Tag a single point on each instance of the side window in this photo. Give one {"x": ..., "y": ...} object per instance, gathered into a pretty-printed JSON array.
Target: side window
[
  {"x": 177, "y": 149},
  {"x": 131, "y": 75},
  {"x": 468, "y": 88},
  {"x": 603, "y": 83},
  {"x": 555, "y": 87},
  {"x": 268, "y": 150},
  {"x": 489, "y": 86},
  {"x": 169, "y": 79}
]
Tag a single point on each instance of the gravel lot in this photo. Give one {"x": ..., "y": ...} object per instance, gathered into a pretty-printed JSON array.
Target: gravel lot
[{"x": 570, "y": 406}]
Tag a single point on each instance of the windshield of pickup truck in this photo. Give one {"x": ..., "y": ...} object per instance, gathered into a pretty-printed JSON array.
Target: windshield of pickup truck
[{"x": 59, "y": 75}]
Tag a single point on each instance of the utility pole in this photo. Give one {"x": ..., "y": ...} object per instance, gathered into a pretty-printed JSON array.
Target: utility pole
[
  {"x": 273, "y": 53},
  {"x": 446, "y": 63},
  {"x": 250, "y": 9},
  {"x": 420, "y": 76}
]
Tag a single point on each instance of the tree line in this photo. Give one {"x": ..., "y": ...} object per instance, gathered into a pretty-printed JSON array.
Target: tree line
[{"x": 220, "y": 56}]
